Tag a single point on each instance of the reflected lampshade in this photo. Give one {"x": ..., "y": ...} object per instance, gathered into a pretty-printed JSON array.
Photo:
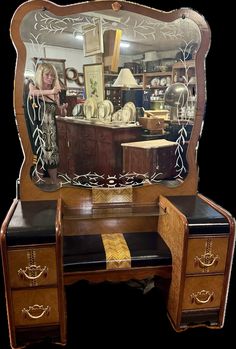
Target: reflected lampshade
[{"x": 125, "y": 79}]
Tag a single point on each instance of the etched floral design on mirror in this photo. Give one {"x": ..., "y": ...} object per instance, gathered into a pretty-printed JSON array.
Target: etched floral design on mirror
[{"x": 160, "y": 47}]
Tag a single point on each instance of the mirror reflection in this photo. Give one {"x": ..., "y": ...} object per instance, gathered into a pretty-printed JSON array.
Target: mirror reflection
[{"x": 109, "y": 97}]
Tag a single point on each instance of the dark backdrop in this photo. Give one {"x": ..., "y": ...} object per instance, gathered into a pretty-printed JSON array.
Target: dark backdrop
[{"x": 216, "y": 158}]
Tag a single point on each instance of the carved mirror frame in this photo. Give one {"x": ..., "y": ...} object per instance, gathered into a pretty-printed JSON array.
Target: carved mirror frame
[{"x": 82, "y": 196}]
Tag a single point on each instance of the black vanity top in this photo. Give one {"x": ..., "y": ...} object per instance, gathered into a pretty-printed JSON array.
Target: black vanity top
[
  {"x": 202, "y": 218},
  {"x": 33, "y": 222}
]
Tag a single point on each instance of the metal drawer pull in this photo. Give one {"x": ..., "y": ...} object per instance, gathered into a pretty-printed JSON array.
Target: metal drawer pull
[
  {"x": 206, "y": 260},
  {"x": 202, "y": 297},
  {"x": 35, "y": 309},
  {"x": 29, "y": 272}
]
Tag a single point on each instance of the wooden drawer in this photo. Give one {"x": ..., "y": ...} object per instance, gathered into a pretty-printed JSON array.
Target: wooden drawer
[
  {"x": 31, "y": 267},
  {"x": 152, "y": 123},
  {"x": 35, "y": 307},
  {"x": 206, "y": 255},
  {"x": 202, "y": 292}
]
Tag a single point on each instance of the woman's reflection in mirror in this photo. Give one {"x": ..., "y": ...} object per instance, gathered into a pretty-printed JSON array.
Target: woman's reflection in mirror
[{"x": 42, "y": 104}]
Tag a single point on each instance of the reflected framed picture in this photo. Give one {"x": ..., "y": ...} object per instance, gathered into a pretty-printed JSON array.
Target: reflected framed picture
[
  {"x": 93, "y": 38},
  {"x": 94, "y": 81},
  {"x": 59, "y": 65}
]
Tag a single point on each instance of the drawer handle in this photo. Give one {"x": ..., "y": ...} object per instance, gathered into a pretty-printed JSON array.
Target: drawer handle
[
  {"x": 29, "y": 272},
  {"x": 35, "y": 309},
  {"x": 202, "y": 297},
  {"x": 206, "y": 260}
]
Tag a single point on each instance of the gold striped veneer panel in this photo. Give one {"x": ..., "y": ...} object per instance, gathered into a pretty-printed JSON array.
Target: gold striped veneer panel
[
  {"x": 117, "y": 251},
  {"x": 109, "y": 195}
]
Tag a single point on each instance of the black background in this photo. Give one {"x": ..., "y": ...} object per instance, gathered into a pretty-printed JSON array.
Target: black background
[{"x": 216, "y": 159}]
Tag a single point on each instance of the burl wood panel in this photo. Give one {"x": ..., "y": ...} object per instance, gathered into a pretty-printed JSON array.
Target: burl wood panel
[{"x": 172, "y": 227}]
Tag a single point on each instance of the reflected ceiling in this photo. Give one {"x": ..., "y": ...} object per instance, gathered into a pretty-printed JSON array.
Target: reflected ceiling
[{"x": 140, "y": 31}]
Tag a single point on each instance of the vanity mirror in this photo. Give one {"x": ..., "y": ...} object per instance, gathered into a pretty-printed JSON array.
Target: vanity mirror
[
  {"x": 144, "y": 140},
  {"x": 108, "y": 190}
]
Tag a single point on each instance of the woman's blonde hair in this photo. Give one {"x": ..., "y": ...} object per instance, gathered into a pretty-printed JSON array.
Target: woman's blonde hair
[{"x": 45, "y": 68}]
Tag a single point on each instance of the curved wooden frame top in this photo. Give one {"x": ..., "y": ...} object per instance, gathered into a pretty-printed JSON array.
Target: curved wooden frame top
[{"x": 81, "y": 196}]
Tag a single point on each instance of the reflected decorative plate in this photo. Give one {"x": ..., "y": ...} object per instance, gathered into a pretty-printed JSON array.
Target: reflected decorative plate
[
  {"x": 80, "y": 79},
  {"x": 90, "y": 108},
  {"x": 109, "y": 105},
  {"x": 132, "y": 108},
  {"x": 163, "y": 82},
  {"x": 155, "y": 82},
  {"x": 76, "y": 110},
  {"x": 103, "y": 110},
  {"x": 71, "y": 74},
  {"x": 117, "y": 116},
  {"x": 168, "y": 81},
  {"x": 126, "y": 114}
]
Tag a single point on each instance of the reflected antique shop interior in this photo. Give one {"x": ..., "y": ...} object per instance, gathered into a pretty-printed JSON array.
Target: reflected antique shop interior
[{"x": 119, "y": 129}]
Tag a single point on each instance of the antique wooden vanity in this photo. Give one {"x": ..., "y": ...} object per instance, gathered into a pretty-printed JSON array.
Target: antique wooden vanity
[{"x": 102, "y": 223}]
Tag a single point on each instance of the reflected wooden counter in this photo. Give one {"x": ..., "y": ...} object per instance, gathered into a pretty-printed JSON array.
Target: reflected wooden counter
[{"x": 92, "y": 146}]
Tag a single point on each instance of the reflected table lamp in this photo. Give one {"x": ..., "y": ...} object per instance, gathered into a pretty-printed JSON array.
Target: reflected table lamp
[
  {"x": 131, "y": 91},
  {"x": 125, "y": 79}
]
